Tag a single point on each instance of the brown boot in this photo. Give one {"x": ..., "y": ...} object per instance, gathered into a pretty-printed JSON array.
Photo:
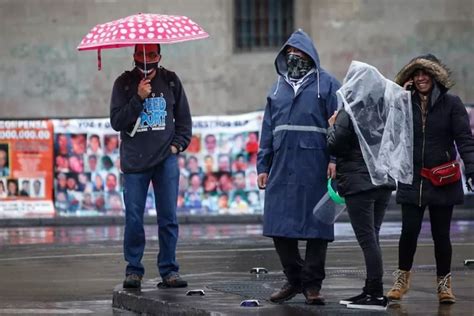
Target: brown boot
[
  {"x": 287, "y": 292},
  {"x": 400, "y": 286},
  {"x": 445, "y": 292},
  {"x": 313, "y": 297}
]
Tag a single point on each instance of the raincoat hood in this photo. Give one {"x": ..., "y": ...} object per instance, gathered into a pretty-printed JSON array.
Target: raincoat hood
[
  {"x": 300, "y": 40},
  {"x": 429, "y": 63}
]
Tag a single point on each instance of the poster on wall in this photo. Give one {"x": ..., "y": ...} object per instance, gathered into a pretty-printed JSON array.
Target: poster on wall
[
  {"x": 26, "y": 183},
  {"x": 86, "y": 168},
  {"x": 217, "y": 171}
]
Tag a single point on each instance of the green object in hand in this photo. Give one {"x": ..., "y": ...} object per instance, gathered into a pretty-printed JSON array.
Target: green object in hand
[{"x": 334, "y": 195}]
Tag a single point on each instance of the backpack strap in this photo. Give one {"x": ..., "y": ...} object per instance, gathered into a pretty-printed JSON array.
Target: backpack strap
[
  {"x": 128, "y": 82},
  {"x": 169, "y": 78}
]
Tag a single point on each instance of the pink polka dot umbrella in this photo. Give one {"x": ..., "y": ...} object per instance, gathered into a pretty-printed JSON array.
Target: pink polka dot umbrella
[{"x": 142, "y": 28}]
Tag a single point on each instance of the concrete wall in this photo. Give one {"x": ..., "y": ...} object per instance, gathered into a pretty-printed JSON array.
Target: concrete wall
[
  {"x": 388, "y": 33},
  {"x": 42, "y": 74}
]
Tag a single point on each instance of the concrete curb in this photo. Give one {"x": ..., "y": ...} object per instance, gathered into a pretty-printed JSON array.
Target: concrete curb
[
  {"x": 392, "y": 215},
  {"x": 119, "y": 220},
  {"x": 136, "y": 302}
]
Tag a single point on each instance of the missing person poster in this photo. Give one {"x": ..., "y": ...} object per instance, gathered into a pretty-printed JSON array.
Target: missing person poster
[
  {"x": 87, "y": 178},
  {"x": 26, "y": 183},
  {"x": 217, "y": 171}
]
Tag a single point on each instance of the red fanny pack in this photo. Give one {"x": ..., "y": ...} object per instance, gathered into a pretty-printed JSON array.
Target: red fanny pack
[{"x": 443, "y": 174}]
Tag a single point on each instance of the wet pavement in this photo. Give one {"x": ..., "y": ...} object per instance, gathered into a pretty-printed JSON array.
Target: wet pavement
[{"x": 74, "y": 270}]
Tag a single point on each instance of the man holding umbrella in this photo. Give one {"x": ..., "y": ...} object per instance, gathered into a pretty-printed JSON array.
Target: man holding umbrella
[{"x": 150, "y": 109}]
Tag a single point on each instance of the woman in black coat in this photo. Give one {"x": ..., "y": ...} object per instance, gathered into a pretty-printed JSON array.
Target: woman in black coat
[
  {"x": 366, "y": 205},
  {"x": 441, "y": 125}
]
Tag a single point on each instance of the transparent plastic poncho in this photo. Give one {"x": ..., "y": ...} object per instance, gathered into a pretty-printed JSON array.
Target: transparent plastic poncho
[{"x": 381, "y": 113}]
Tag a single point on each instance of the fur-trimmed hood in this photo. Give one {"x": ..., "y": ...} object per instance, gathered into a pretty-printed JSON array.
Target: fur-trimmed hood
[{"x": 430, "y": 64}]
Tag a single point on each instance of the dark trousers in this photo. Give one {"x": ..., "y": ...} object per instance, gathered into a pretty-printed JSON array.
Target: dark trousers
[
  {"x": 308, "y": 273},
  {"x": 412, "y": 218},
  {"x": 366, "y": 212}
]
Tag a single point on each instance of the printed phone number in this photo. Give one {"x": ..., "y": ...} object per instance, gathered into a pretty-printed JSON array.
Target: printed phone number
[{"x": 25, "y": 134}]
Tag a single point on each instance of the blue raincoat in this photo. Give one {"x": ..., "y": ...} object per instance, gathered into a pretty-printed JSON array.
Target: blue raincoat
[{"x": 293, "y": 148}]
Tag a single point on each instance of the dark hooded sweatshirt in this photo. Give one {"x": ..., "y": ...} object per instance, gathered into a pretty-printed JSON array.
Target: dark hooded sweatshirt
[{"x": 165, "y": 119}]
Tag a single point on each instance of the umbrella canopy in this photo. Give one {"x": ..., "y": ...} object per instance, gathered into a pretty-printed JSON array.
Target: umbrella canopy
[{"x": 142, "y": 28}]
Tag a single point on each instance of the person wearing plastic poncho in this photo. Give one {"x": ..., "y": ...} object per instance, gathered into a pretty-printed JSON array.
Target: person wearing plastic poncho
[
  {"x": 371, "y": 137},
  {"x": 293, "y": 165},
  {"x": 441, "y": 128}
]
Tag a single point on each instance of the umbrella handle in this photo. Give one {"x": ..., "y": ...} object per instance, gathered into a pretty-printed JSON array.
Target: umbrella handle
[
  {"x": 144, "y": 60},
  {"x": 99, "y": 60}
]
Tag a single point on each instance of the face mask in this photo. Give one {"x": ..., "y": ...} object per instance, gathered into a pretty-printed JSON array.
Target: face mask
[
  {"x": 298, "y": 66},
  {"x": 149, "y": 67}
]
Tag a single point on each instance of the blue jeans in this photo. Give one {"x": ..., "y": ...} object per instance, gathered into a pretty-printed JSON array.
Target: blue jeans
[{"x": 164, "y": 177}]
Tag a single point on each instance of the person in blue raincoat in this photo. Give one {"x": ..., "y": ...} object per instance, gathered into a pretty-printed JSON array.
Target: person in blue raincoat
[{"x": 294, "y": 164}]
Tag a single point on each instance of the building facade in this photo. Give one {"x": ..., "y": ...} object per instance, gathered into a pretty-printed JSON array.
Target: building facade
[{"x": 42, "y": 75}]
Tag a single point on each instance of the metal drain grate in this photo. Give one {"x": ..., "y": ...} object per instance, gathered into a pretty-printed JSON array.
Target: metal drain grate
[
  {"x": 261, "y": 286},
  {"x": 262, "y": 291},
  {"x": 257, "y": 290}
]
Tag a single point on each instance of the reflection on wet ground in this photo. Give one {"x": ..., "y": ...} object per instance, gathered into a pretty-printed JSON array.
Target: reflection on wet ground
[
  {"x": 460, "y": 231},
  {"x": 72, "y": 270}
]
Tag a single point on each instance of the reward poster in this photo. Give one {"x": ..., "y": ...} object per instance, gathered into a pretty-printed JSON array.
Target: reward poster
[{"x": 26, "y": 175}]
